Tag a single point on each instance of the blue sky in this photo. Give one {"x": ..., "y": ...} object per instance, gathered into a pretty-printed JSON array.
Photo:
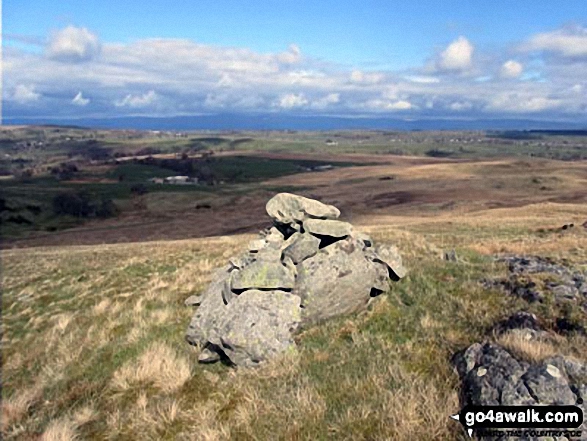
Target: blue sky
[{"x": 414, "y": 58}]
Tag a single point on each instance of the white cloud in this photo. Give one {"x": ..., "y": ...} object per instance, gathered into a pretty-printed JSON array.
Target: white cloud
[
  {"x": 422, "y": 79},
  {"x": 458, "y": 56},
  {"x": 138, "y": 101},
  {"x": 79, "y": 100},
  {"x": 358, "y": 76},
  {"x": 518, "y": 103},
  {"x": 460, "y": 105},
  {"x": 511, "y": 69},
  {"x": 378, "y": 104},
  {"x": 577, "y": 88},
  {"x": 325, "y": 101},
  {"x": 25, "y": 94},
  {"x": 291, "y": 56},
  {"x": 570, "y": 42},
  {"x": 73, "y": 44},
  {"x": 292, "y": 100}
]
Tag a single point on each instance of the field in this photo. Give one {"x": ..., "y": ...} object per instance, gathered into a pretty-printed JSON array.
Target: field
[{"x": 93, "y": 316}]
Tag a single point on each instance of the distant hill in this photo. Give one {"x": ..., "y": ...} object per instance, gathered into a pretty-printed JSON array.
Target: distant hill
[{"x": 301, "y": 122}]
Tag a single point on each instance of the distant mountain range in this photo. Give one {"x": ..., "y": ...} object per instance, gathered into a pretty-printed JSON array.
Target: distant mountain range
[{"x": 299, "y": 122}]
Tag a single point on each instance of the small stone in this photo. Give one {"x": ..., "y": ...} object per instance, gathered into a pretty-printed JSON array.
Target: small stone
[
  {"x": 553, "y": 371},
  {"x": 207, "y": 356},
  {"x": 194, "y": 300},
  {"x": 481, "y": 372}
]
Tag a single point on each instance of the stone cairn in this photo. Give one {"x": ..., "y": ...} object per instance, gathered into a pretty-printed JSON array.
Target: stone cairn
[{"x": 306, "y": 268}]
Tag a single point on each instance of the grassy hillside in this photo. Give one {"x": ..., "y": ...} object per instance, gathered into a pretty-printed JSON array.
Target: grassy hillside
[{"x": 93, "y": 338}]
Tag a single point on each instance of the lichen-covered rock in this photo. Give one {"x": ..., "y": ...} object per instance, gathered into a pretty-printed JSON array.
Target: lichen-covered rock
[
  {"x": 263, "y": 274},
  {"x": 302, "y": 247},
  {"x": 337, "y": 280},
  {"x": 256, "y": 326}
]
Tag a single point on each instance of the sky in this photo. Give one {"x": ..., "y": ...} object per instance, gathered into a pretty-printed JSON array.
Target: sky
[{"x": 403, "y": 59}]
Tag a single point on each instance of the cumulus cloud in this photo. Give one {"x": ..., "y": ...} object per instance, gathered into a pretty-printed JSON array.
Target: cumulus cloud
[
  {"x": 138, "y": 101},
  {"x": 458, "y": 56},
  {"x": 513, "y": 102},
  {"x": 511, "y": 69},
  {"x": 358, "y": 76},
  {"x": 378, "y": 104},
  {"x": 325, "y": 101},
  {"x": 73, "y": 44},
  {"x": 291, "y": 56},
  {"x": 460, "y": 105},
  {"x": 292, "y": 100},
  {"x": 24, "y": 94},
  {"x": 79, "y": 100},
  {"x": 569, "y": 42}
]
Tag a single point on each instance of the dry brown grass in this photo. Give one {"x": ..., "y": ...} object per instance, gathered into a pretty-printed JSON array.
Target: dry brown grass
[{"x": 159, "y": 365}]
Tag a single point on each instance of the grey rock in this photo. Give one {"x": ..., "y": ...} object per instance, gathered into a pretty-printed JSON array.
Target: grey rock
[
  {"x": 257, "y": 245},
  {"x": 194, "y": 300},
  {"x": 332, "y": 228},
  {"x": 274, "y": 238},
  {"x": 301, "y": 247},
  {"x": 241, "y": 261},
  {"x": 389, "y": 255},
  {"x": 365, "y": 238},
  {"x": 565, "y": 292},
  {"x": 264, "y": 274},
  {"x": 494, "y": 368},
  {"x": 256, "y": 326},
  {"x": 210, "y": 310},
  {"x": 466, "y": 360},
  {"x": 451, "y": 256},
  {"x": 336, "y": 281},
  {"x": 518, "y": 320},
  {"x": 548, "y": 385},
  {"x": 491, "y": 375},
  {"x": 288, "y": 208}
]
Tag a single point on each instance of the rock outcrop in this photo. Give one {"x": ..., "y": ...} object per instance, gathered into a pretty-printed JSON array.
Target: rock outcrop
[
  {"x": 308, "y": 267},
  {"x": 493, "y": 376}
]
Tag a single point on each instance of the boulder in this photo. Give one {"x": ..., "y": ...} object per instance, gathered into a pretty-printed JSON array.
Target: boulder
[
  {"x": 301, "y": 247},
  {"x": 256, "y": 326},
  {"x": 337, "y": 280},
  {"x": 288, "y": 208}
]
